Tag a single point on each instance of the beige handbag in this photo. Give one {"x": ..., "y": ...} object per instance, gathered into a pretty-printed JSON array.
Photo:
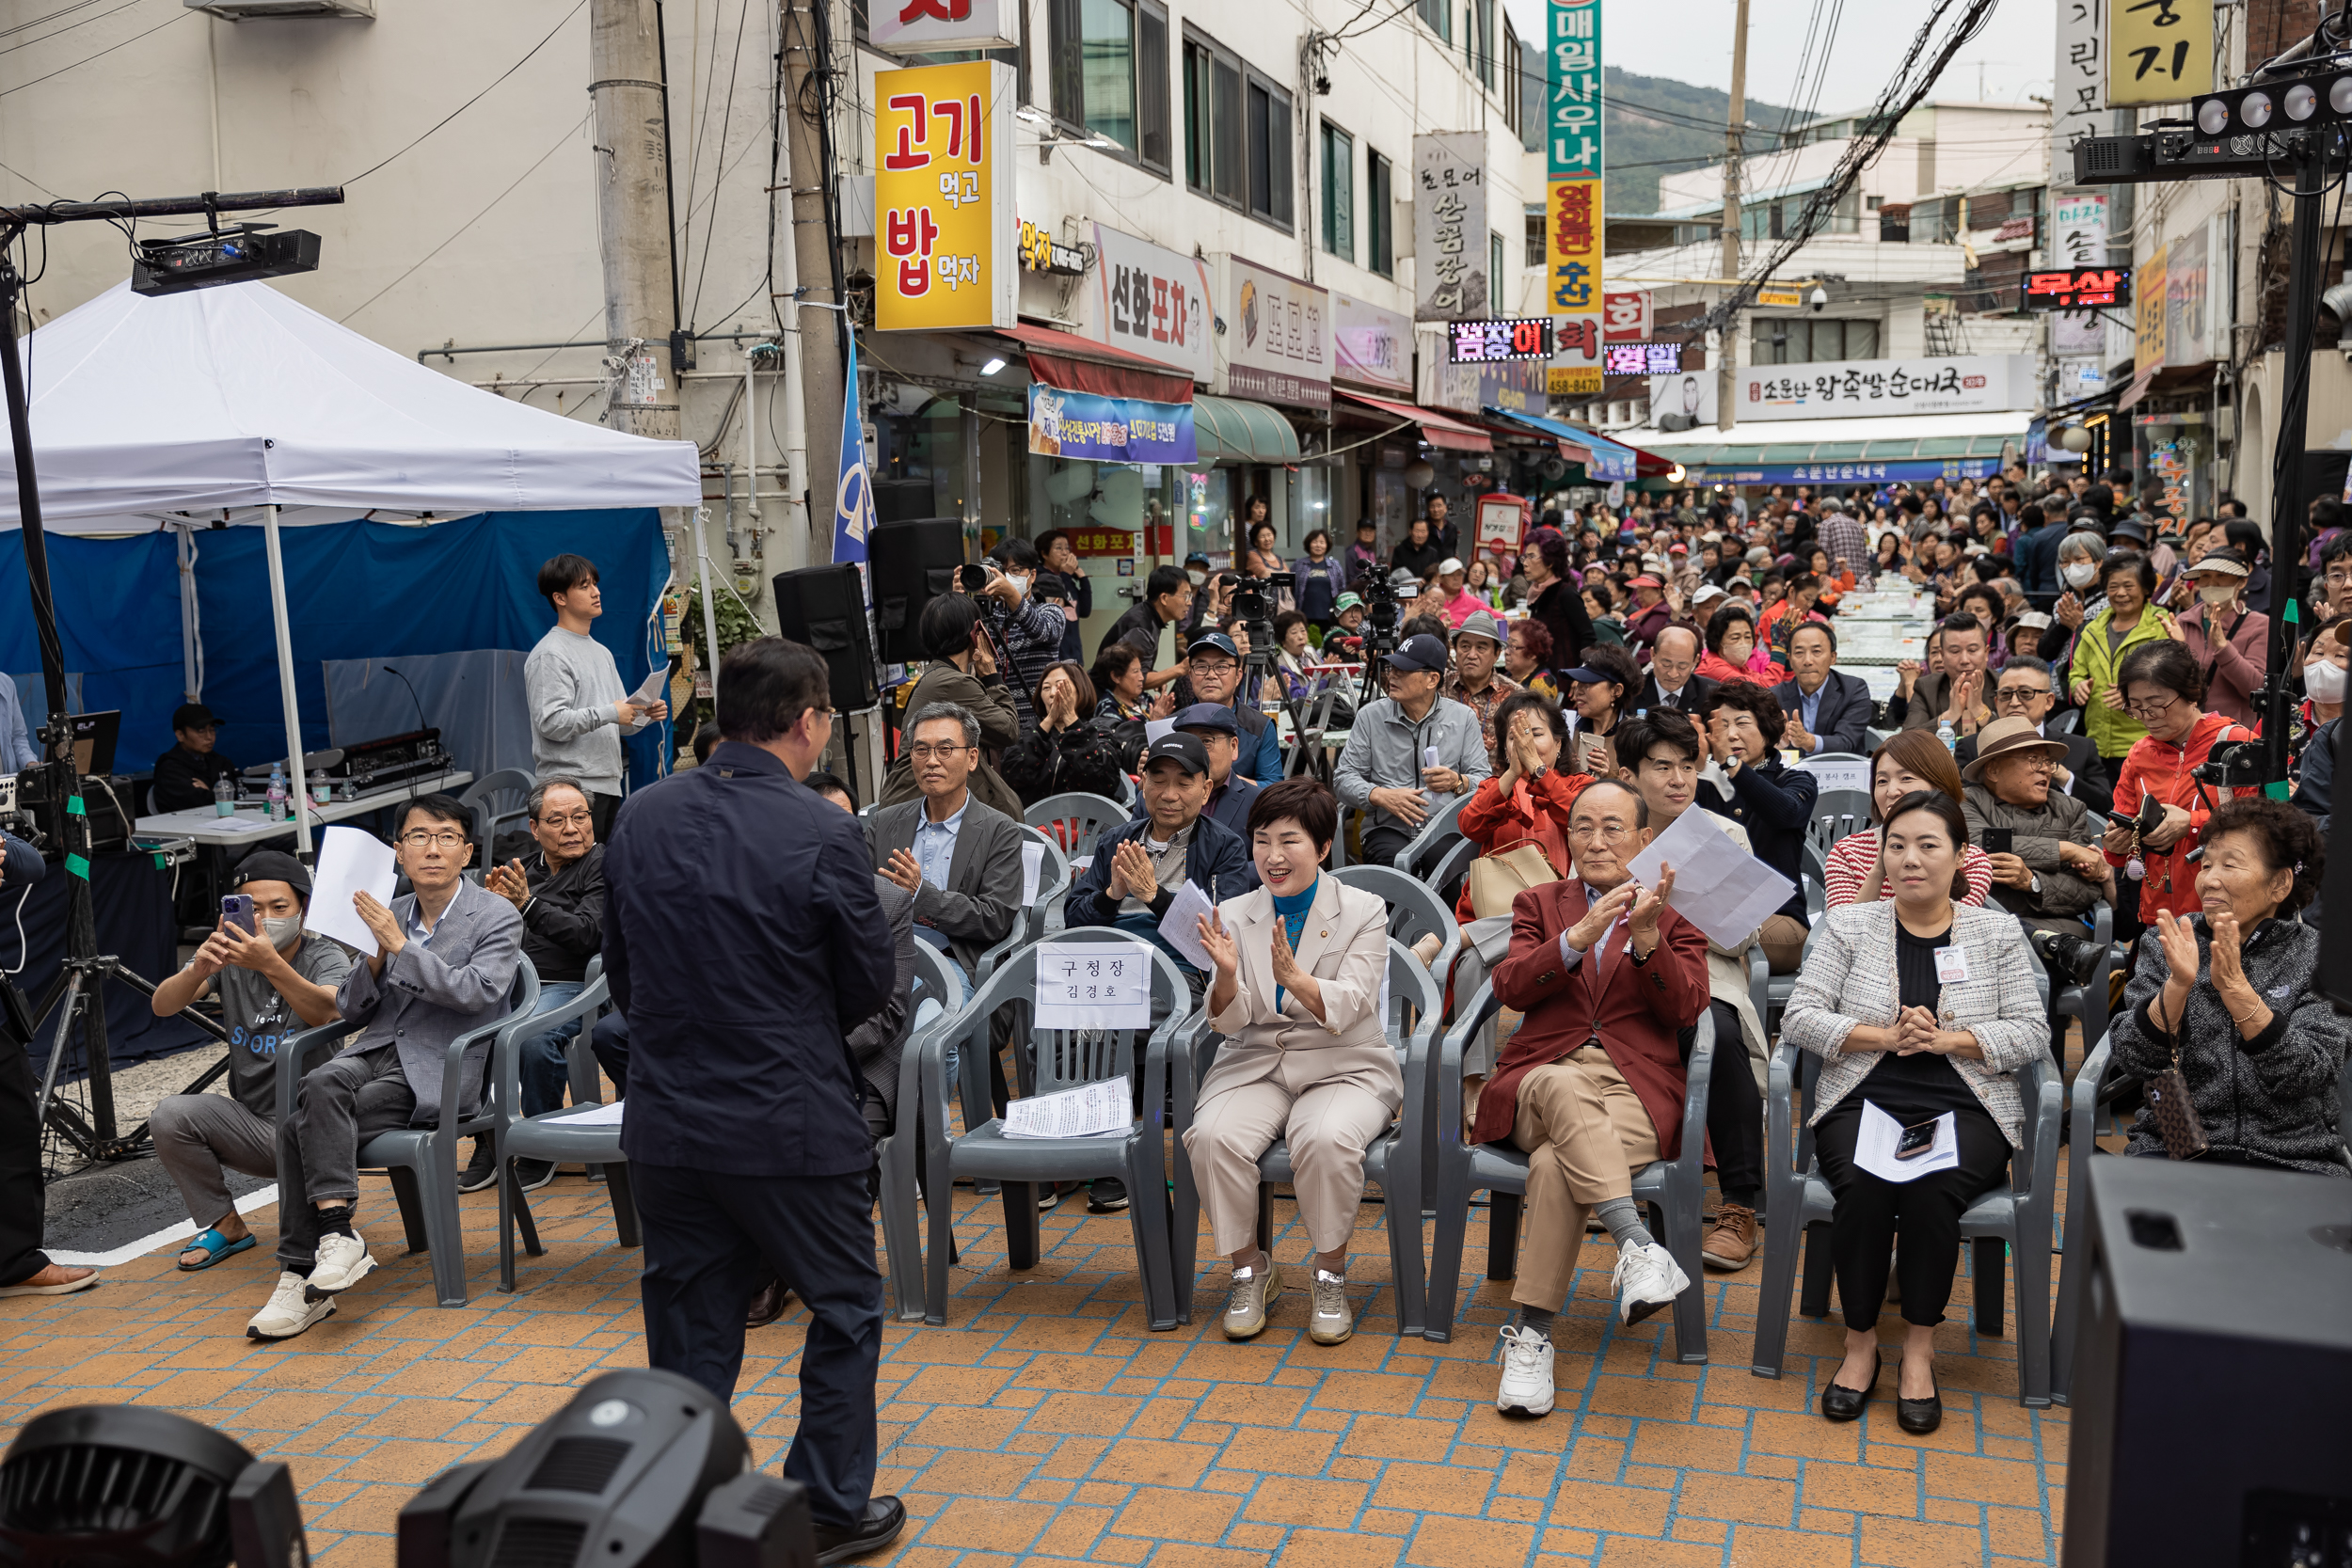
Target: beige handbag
[{"x": 1496, "y": 880}]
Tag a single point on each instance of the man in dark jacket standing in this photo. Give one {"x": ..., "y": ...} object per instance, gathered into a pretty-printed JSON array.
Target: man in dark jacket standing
[
  {"x": 2037, "y": 553},
  {"x": 745, "y": 942}
]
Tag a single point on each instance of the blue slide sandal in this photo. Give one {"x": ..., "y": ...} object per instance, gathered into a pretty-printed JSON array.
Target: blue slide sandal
[{"x": 216, "y": 1246}]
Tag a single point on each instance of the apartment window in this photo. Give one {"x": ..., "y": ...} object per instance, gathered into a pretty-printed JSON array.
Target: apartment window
[
  {"x": 1494, "y": 272},
  {"x": 1213, "y": 122},
  {"x": 1440, "y": 15},
  {"x": 1339, "y": 192},
  {"x": 1812, "y": 342},
  {"x": 1479, "y": 28},
  {"x": 1268, "y": 154},
  {"x": 1380, "y": 203},
  {"x": 1535, "y": 237},
  {"x": 1512, "y": 75},
  {"x": 1110, "y": 72}
]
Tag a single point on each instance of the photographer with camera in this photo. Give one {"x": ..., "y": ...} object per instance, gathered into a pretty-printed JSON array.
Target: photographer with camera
[
  {"x": 2183, "y": 768},
  {"x": 1028, "y": 629}
]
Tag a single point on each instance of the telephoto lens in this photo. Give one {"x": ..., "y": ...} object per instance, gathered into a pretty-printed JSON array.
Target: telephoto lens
[{"x": 2075, "y": 958}]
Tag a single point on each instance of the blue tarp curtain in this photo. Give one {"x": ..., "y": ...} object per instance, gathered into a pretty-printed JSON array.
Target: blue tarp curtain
[{"x": 354, "y": 590}]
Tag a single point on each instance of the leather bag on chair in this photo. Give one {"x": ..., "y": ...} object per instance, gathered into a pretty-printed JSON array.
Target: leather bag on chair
[{"x": 1496, "y": 880}]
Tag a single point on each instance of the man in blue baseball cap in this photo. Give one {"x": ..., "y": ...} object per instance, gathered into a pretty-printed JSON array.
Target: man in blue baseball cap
[
  {"x": 1213, "y": 666},
  {"x": 1411, "y": 753}
]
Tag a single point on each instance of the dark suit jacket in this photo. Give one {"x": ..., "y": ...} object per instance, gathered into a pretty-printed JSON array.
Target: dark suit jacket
[
  {"x": 1845, "y": 714},
  {"x": 1636, "y": 1010},
  {"x": 744, "y": 941},
  {"x": 2092, "y": 785},
  {"x": 1934, "y": 694},
  {"x": 1694, "y": 695},
  {"x": 982, "y": 897},
  {"x": 874, "y": 1043},
  {"x": 1217, "y": 861},
  {"x": 433, "y": 992}
]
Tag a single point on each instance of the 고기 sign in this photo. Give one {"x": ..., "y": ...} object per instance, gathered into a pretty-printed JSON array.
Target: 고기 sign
[{"x": 943, "y": 198}]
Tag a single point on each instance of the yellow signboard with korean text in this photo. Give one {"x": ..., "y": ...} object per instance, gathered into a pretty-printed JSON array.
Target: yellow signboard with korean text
[
  {"x": 943, "y": 226},
  {"x": 2148, "y": 314},
  {"x": 2158, "y": 51},
  {"x": 1573, "y": 246}
]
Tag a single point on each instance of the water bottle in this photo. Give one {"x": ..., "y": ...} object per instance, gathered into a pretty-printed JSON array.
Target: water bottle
[
  {"x": 278, "y": 786},
  {"x": 1945, "y": 733},
  {"x": 224, "y": 796}
]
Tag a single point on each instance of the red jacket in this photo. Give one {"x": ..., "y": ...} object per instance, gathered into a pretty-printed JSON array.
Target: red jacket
[
  {"x": 1635, "y": 1009},
  {"x": 2162, "y": 770}
]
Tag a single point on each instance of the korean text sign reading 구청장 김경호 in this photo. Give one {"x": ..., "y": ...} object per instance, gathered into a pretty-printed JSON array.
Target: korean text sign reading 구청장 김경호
[
  {"x": 1573, "y": 159},
  {"x": 943, "y": 198}
]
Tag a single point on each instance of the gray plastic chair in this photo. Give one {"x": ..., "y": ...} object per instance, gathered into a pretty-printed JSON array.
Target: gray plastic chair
[
  {"x": 1436, "y": 834},
  {"x": 421, "y": 1161},
  {"x": 1028, "y": 923},
  {"x": 1085, "y": 816},
  {"x": 1392, "y": 1162},
  {"x": 498, "y": 800},
  {"x": 1836, "y": 813},
  {"x": 2015, "y": 1218},
  {"x": 556, "y": 1136},
  {"x": 1673, "y": 1189},
  {"x": 941, "y": 992},
  {"x": 1778, "y": 989},
  {"x": 1062, "y": 1059},
  {"x": 1415, "y": 911}
]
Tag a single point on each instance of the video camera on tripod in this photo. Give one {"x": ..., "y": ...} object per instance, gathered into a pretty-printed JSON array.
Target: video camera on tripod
[{"x": 1384, "y": 619}]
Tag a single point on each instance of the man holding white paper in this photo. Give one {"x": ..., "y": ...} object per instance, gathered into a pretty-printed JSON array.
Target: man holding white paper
[
  {"x": 579, "y": 707},
  {"x": 435, "y": 963},
  {"x": 1139, "y": 866}
]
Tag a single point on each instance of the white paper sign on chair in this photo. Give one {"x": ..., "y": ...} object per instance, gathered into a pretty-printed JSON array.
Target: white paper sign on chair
[{"x": 1090, "y": 985}]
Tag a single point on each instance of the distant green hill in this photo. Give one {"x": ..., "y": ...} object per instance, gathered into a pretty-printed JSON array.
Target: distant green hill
[{"x": 1690, "y": 129}]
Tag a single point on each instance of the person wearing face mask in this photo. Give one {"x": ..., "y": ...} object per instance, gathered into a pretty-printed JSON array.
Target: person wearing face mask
[
  {"x": 2127, "y": 624},
  {"x": 2229, "y": 641},
  {"x": 2324, "y": 682},
  {"x": 272, "y": 984},
  {"x": 1028, "y": 629}
]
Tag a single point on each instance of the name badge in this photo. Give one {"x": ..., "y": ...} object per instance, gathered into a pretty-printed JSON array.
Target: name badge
[{"x": 1951, "y": 965}]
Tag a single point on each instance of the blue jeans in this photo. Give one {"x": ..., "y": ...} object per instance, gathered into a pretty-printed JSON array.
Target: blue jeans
[{"x": 541, "y": 1060}]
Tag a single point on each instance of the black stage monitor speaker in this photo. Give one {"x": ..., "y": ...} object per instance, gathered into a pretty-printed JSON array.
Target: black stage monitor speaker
[
  {"x": 915, "y": 562},
  {"x": 825, "y": 607},
  {"x": 2214, "y": 1368},
  {"x": 2335, "y": 893}
]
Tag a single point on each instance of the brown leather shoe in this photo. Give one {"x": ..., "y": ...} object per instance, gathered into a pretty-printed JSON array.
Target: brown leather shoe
[
  {"x": 1730, "y": 1241},
  {"x": 768, "y": 1304}
]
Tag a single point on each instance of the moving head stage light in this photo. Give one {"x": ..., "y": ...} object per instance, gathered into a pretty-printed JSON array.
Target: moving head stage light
[
  {"x": 236, "y": 255},
  {"x": 643, "y": 1469},
  {"x": 119, "y": 1487}
]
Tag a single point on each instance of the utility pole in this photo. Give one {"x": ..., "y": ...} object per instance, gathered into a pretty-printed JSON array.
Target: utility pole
[
  {"x": 633, "y": 215},
  {"x": 820, "y": 332},
  {"x": 1727, "y": 358}
]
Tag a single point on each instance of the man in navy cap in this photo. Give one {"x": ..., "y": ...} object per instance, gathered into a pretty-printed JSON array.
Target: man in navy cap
[
  {"x": 1213, "y": 666},
  {"x": 1139, "y": 867},
  {"x": 1212, "y": 725},
  {"x": 1410, "y": 752}
]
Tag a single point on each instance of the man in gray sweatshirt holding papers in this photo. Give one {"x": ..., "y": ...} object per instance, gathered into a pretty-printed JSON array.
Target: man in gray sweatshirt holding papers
[{"x": 578, "y": 708}]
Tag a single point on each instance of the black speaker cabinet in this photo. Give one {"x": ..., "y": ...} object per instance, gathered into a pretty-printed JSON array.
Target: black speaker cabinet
[
  {"x": 913, "y": 561},
  {"x": 825, "y": 607},
  {"x": 2214, "y": 1370}
]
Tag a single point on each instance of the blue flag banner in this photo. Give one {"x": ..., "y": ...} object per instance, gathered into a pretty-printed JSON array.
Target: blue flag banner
[
  {"x": 1109, "y": 430},
  {"x": 853, "y": 500}
]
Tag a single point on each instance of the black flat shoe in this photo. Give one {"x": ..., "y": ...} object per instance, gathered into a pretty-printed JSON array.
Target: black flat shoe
[
  {"x": 885, "y": 1518},
  {"x": 1841, "y": 1403},
  {"x": 1918, "y": 1416}
]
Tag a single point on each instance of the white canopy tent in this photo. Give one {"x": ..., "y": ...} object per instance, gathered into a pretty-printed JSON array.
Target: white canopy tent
[{"x": 237, "y": 402}]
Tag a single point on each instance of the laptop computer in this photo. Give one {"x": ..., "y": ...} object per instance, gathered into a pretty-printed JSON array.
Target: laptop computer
[{"x": 94, "y": 737}]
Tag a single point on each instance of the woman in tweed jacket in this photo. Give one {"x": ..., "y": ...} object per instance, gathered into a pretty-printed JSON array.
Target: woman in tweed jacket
[
  {"x": 1924, "y": 1008},
  {"x": 2233, "y": 990}
]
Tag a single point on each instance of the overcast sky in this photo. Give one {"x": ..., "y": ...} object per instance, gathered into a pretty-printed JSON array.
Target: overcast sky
[{"x": 1689, "y": 41}]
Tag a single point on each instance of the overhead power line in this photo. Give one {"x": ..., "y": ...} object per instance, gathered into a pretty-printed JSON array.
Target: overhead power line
[
  {"x": 477, "y": 97},
  {"x": 86, "y": 59}
]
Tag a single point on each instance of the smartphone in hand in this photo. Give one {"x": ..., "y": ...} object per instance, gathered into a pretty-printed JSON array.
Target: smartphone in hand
[
  {"x": 1998, "y": 841},
  {"x": 236, "y": 909}
]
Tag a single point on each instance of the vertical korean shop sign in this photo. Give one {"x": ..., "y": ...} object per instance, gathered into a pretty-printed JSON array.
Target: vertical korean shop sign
[
  {"x": 1449, "y": 225},
  {"x": 1573, "y": 202},
  {"x": 2080, "y": 108},
  {"x": 2158, "y": 51},
  {"x": 943, "y": 198}
]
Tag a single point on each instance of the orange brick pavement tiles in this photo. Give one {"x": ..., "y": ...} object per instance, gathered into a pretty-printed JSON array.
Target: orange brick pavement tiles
[{"x": 1044, "y": 1423}]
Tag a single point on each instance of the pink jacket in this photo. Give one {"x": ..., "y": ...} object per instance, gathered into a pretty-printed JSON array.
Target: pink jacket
[{"x": 2233, "y": 666}]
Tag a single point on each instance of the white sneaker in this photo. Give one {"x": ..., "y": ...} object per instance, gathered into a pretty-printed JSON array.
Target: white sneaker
[
  {"x": 1647, "y": 1279},
  {"x": 1526, "y": 1388},
  {"x": 287, "y": 1312},
  {"x": 1252, "y": 1295},
  {"x": 342, "y": 1261},
  {"x": 1332, "y": 1321}
]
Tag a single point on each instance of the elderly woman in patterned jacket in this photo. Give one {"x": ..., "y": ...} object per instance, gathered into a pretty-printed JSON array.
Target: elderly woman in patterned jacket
[{"x": 1923, "y": 1008}]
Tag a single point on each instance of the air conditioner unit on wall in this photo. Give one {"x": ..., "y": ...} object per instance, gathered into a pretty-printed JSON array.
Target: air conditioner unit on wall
[{"x": 252, "y": 10}]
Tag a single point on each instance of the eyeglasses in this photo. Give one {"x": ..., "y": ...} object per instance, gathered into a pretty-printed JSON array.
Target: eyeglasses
[
  {"x": 1605, "y": 833},
  {"x": 2021, "y": 695},
  {"x": 419, "y": 839},
  {"x": 2144, "y": 711},
  {"x": 922, "y": 753},
  {"x": 569, "y": 819}
]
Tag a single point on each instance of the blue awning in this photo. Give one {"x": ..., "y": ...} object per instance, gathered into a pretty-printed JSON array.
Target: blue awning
[{"x": 1610, "y": 460}]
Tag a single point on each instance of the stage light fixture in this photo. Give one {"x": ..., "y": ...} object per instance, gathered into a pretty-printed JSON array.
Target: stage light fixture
[
  {"x": 2301, "y": 103},
  {"x": 228, "y": 256},
  {"x": 2253, "y": 110},
  {"x": 2340, "y": 95},
  {"x": 641, "y": 1469},
  {"x": 129, "y": 1487}
]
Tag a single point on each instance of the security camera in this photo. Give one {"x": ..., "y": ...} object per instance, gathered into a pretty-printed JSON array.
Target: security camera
[{"x": 1818, "y": 300}]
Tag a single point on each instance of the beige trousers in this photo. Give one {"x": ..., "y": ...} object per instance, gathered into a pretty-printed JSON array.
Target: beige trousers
[
  {"x": 1327, "y": 1126},
  {"x": 1585, "y": 1134},
  {"x": 1783, "y": 941}
]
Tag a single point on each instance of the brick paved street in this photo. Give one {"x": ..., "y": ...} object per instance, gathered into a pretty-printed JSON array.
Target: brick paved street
[{"x": 1044, "y": 1423}]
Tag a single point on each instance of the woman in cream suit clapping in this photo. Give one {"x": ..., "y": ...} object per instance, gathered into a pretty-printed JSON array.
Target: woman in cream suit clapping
[{"x": 1296, "y": 995}]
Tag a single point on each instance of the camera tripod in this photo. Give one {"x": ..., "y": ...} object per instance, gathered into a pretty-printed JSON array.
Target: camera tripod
[{"x": 78, "y": 996}]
